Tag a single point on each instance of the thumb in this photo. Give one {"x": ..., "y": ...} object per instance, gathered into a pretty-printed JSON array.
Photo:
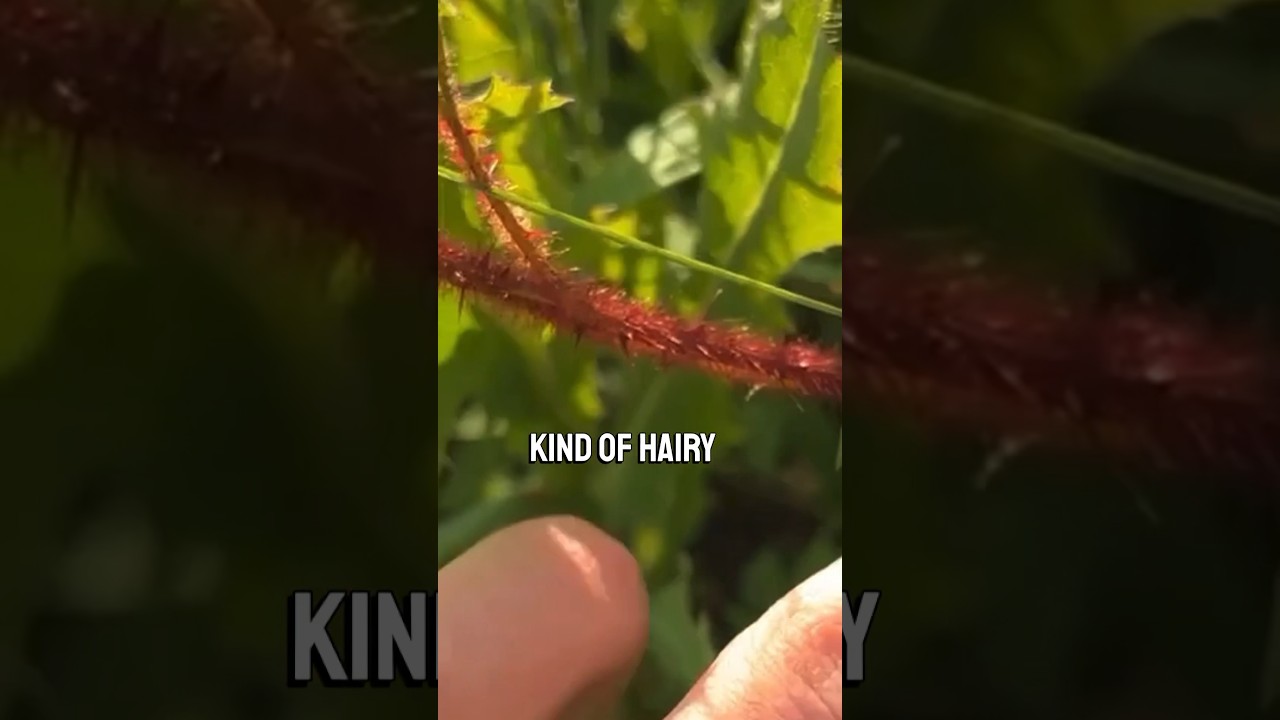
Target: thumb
[
  {"x": 536, "y": 619},
  {"x": 786, "y": 666}
]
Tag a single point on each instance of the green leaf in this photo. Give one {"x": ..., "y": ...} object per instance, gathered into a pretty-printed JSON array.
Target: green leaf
[
  {"x": 656, "y": 157},
  {"x": 655, "y": 31},
  {"x": 772, "y": 165},
  {"x": 484, "y": 39},
  {"x": 679, "y": 640},
  {"x": 506, "y": 103},
  {"x": 451, "y": 322},
  {"x": 461, "y": 369},
  {"x": 509, "y": 115}
]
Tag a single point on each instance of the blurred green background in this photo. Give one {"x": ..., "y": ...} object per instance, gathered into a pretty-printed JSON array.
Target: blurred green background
[
  {"x": 203, "y": 408},
  {"x": 197, "y": 418},
  {"x": 1048, "y": 585}
]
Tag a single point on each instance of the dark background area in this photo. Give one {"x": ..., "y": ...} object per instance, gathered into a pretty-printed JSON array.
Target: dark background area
[
  {"x": 1064, "y": 586},
  {"x": 203, "y": 407}
]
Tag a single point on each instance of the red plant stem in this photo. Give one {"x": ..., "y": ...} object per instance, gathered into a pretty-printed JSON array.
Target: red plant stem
[
  {"x": 607, "y": 315},
  {"x": 202, "y": 98},
  {"x": 337, "y": 146},
  {"x": 1138, "y": 379},
  {"x": 351, "y": 150},
  {"x": 532, "y": 285},
  {"x": 503, "y": 220}
]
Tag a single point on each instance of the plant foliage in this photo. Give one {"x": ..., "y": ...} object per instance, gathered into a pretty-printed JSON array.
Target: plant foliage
[{"x": 739, "y": 168}]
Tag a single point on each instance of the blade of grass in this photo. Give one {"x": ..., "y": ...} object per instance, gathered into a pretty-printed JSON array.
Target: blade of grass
[
  {"x": 1093, "y": 150},
  {"x": 642, "y": 246}
]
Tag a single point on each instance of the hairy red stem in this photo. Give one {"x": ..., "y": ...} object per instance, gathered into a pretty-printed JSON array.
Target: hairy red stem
[
  {"x": 208, "y": 99},
  {"x": 349, "y": 147},
  {"x": 462, "y": 151},
  {"x": 290, "y": 116},
  {"x": 519, "y": 275},
  {"x": 1138, "y": 379},
  {"x": 607, "y": 315}
]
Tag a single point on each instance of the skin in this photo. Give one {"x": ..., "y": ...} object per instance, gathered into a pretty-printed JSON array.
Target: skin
[{"x": 568, "y": 603}]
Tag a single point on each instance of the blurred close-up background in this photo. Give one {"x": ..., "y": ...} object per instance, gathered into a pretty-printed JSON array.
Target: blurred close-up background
[
  {"x": 1028, "y": 581},
  {"x": 209, "y": 399},
  {"x": 206, "y": 403}
]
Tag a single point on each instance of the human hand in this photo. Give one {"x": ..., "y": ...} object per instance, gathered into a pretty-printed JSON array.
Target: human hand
[{"x": 547, "y": 619}]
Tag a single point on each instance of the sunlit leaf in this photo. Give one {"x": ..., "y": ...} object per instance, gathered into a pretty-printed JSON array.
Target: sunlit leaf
[{"x": 772, "y": 150}]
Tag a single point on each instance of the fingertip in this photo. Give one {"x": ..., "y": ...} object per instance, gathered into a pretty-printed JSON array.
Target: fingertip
[
  {"x": 534, "y": 616},
  {"x": 786, "y": 666}
]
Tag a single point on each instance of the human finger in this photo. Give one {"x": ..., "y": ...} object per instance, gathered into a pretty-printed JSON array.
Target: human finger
[
  {"x": 536, "y": 618},
  {"x": 786, "y": 666}
]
